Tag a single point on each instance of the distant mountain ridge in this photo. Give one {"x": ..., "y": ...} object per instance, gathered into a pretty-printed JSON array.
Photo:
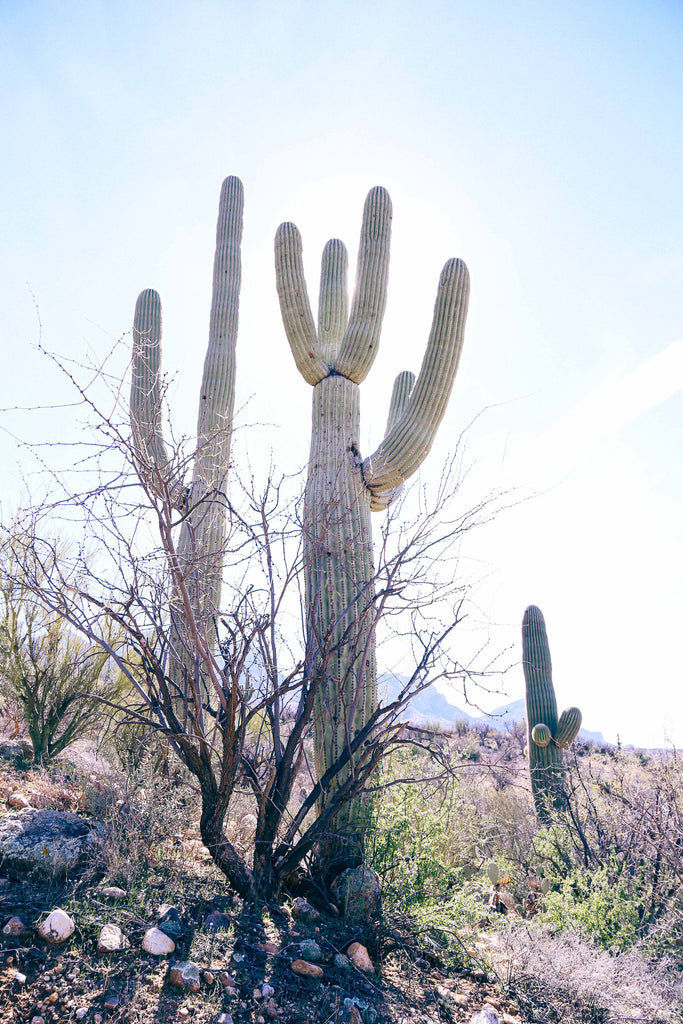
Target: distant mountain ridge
[{"x": 432, "y": 706}]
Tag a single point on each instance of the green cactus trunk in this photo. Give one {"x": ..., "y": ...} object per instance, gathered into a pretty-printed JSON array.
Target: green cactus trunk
[
  {"x": 339, "y": 579},
  {"x": 547, "y": 735},
  {"x": 342, "y": 489},
  {"x": 200, "y": 545}
]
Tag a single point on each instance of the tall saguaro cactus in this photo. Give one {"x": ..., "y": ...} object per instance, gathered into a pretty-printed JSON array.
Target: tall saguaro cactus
[
  {"x": 548, "y": 735},
  {"x": 202, "y": 534},
  {"x": 342, "y": 488}
]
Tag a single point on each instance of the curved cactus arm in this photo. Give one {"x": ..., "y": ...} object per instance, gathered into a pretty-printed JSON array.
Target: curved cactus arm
[
  {"x": 333, "y": 305},
  {"x": 361, "y": 340},
  {"x": 400, "y": 394},
  {"x": 408, "y": 442},
  {"x": 541, "y": 735},
  {"x": 295, "y": 307},
  {"x": 568, "y": 727}
]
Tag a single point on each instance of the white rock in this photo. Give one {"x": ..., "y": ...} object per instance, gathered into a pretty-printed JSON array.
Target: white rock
[
  {"x": 111, "y": 939},
  {"x": 82, "y": 1012},
  {"x": 57, "y": 927},
  {"x": 267, "y": 990},
  {"x": 19, "y": 978},
  {"x": 157, "y": 942},
  {"x": 113, "y": 892},
  {"x": 18, "y": 800}
]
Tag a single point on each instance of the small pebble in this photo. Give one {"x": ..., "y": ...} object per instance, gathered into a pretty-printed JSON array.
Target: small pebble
[
  {"x": 81, "y": 1012},
  {"x": 98, "y": 1018},
  {"x": 267, "y": 990},
  {"x": 208, "y": 977},
  {"x": 20, "y": 978}
]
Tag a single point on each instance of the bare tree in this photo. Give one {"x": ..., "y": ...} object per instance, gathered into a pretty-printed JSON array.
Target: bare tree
[{"x": 242, "y": 717}]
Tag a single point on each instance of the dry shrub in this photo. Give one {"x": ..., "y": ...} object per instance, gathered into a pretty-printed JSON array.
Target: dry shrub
[{"x": 564, "y": 977}]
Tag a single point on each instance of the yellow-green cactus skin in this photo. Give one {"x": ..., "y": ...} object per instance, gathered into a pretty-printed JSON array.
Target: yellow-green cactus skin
[
  {"x": 548, "y": 736},
  {"x": 342, "y": 487},
  {"x": 203, "y": 503}
]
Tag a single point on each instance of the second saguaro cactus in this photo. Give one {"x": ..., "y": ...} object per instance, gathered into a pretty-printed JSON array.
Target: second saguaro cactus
[
  {"x": 548, "y": 735},
  {"x": 203, "y": 503},
  {"x": 342, "y": 487}
]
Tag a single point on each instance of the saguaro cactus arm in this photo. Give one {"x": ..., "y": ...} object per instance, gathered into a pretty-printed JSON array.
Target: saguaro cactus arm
[
  {"x": 295, "y": 307},
  {"x": 408, "y": 442},
  {"x": 568, "y": 727},
  {"x": 217, "y": 395},
  {"x": 145, "y": 392},
  {"x": 361, "y": 339}
]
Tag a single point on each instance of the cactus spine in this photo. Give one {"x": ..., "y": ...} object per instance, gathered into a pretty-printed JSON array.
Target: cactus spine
[
  {"x": 548, "y": 736},
  {"x": 342, "y": 488},
  {"x": 203, "y": 504}
]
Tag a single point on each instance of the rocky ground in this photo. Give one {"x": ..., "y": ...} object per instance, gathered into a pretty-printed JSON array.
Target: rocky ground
[{"x": 171, "y": 942}]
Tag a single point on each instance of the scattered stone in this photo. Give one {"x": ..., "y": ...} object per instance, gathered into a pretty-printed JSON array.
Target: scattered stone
[
  {"x": 360, "y": 957},
  {"x": 224, "y": 1018},
  {"x": 51, "y": 842},
  {"x": 57, "y": 927},
  {"x": 19, "y": 978},
  {"x": 183, "y": 1012},
  {"x": 508, "y": 1018},
  {"x": 354, "y": 1015},
  {"x": 15, "y": 926},
  {"x": 169, "y": 921},
  {"x": 112, "y": 892},
  {"x": 157, "y": 942},
  {"x": 217, "y": 922},
  {"x": 310, "y": 950},
  {"x": 487, "y": 1015},
  {"x": 226, "y": 979},
  {"x": 81, "y": 1013},
  {"x": 184, "y": 975},
  {"x": 207, "y": 976},
  {"x": 98, "y": 1018},
  {"x": 340, "y": 960},
  {"x": 459, "y": 999},
  {"x": 358, "y": 892},
  {"x": 111, "y": 1001},
  {"x": 270, "y": 1009},
  {"x": 111, "y": 939},
  {"x": 305, "y": 969},
  {"x": 304, "y": 911},
  {"x": 269, "y": 947},
  {"x": 267, "y": 990},
  {"x": 38, "y": 1020},
  {"x": 18, "y": 800}
]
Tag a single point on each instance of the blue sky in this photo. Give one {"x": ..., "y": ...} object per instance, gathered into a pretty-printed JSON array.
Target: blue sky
[{"x": 541, "y": 142}]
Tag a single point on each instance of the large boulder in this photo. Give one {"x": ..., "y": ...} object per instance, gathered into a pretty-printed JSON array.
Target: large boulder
[
  {"x": 51, "y": 842},
  {"x": 359, "y": 894}
]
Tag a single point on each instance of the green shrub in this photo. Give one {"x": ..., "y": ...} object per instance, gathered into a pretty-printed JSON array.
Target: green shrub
[
  {"x": 48, "y": 673},
  {"x": 601, "y": 903}
]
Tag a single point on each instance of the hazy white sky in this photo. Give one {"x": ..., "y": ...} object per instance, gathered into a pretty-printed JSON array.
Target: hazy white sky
[{"x": 542, "y": 142}]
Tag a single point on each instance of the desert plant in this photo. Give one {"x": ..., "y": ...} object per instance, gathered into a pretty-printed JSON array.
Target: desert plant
[
  {"x": 342, "y": 487},
  {"x": 548, "y": 735},
  {"x": 50, "y": 675},
  {"x": 200, "y": 547}
]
